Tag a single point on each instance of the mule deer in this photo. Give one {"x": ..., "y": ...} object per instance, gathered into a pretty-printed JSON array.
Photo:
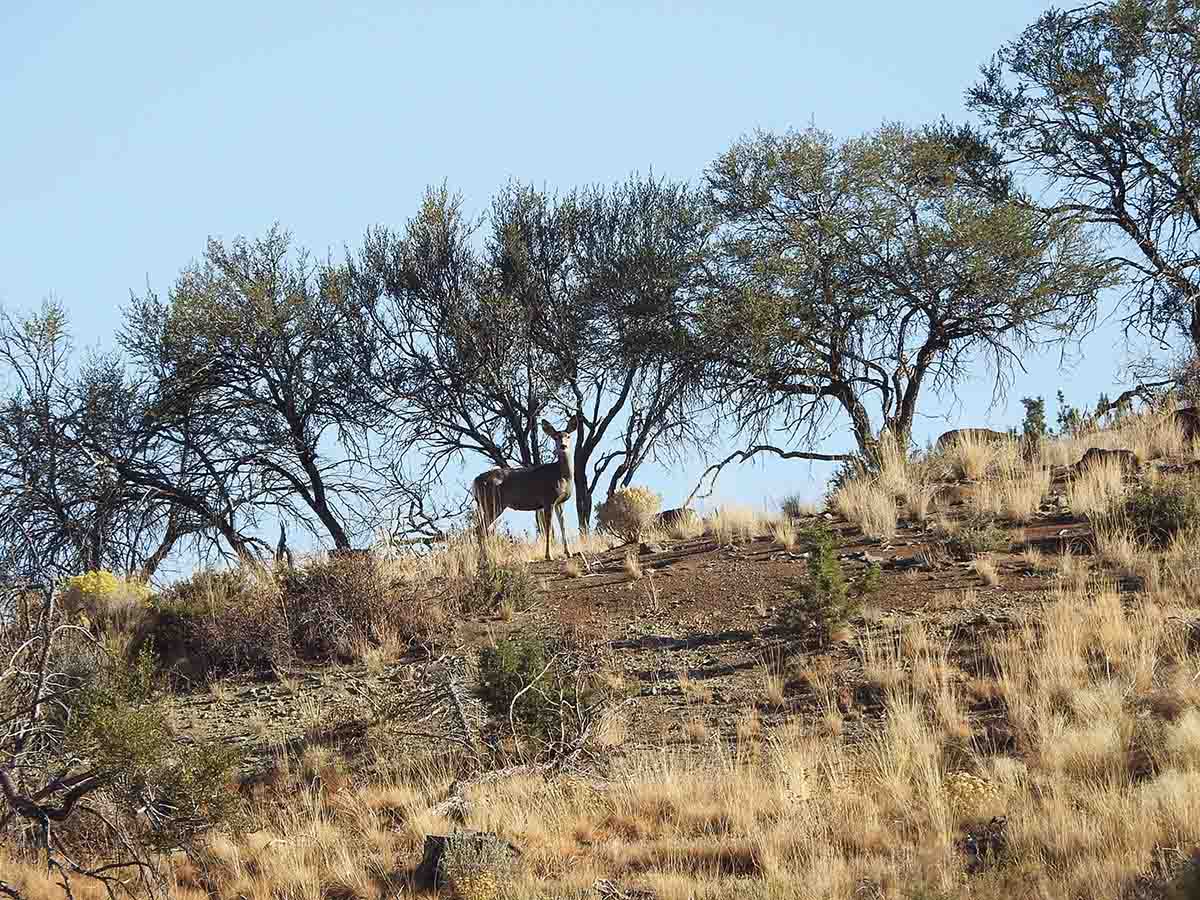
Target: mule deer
[{"x": 532, "y": 489}]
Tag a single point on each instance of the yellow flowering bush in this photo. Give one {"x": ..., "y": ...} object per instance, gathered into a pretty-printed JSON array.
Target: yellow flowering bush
[
  {"x": 628, "y": 512},
  {"x": 970, "y": 796},
  {"x": 104, "y": 600}
]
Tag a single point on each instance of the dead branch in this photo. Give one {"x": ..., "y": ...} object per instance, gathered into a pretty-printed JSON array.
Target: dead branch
[{"x": 748, "y": 453}]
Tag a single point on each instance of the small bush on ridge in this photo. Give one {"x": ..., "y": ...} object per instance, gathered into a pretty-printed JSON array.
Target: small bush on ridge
[
  {"x": 828, "y": 601},
  {"x": 511, "y": 666},
  {"x": 975, "y": 537},
  {"x": 498, "y": 585},
  {"x": 628, "y": 512}
]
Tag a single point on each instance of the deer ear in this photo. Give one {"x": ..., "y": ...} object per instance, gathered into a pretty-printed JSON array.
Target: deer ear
[
  {"x": 571, "y": 425},
  {"x": 548, "y": 428}
]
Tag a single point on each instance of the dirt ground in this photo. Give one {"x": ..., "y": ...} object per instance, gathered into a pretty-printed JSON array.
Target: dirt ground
[{"x": 691, "y": 640}]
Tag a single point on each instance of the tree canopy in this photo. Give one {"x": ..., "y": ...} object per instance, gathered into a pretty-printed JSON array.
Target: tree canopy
[
  {"x": 1102, "y": 104},
  {"x": 851, "y": 275}
]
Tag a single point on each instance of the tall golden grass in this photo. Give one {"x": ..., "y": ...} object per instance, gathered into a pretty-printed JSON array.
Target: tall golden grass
[
  {"x": 868, "y": 505},
  {"x": 1153, "y": 434}
]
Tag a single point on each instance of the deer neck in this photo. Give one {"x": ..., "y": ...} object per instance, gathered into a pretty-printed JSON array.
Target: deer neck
[{"x": 566, "y": 465}]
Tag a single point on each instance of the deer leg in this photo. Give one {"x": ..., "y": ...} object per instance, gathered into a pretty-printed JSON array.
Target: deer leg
[
  {"x": 549, "y": 521},
  {"x": 486, "y": 513},
  {"x": 562, "y": 529}
]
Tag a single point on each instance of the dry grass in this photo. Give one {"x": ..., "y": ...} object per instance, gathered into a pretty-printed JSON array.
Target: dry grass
[
  {"x": 985, "y": 568},
  {"x": 785, "y": 534},
  {"x": 869, "y": 506},
  {"x": 1095, "y": 690},
  {"x": 458, "y": 558},
  {"x": 774, "y": 679},
  {"x": 918, "y": 501},
  {"x": 1094, "y": 491},
  {"x": 1015, "y": 495},
  {"x": 632, "y": 565},
  {"x": 1105, "y": 769},
  {"x": 1151, "y": 435},
  {"x": 693, "y": 690},
  {"x": 973, "y": 458},
  {"x": 686, "y": 528},
  {"x": 734, "y": 524}
]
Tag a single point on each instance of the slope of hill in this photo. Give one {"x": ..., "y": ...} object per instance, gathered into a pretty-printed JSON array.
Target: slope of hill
[{"x": 1010, "y": 708}]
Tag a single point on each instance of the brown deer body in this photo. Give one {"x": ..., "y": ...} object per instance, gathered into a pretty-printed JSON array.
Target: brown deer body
[{"x": 542, "y": 489}]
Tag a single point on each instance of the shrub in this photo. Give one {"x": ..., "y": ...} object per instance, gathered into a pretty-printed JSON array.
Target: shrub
[
  {"x": 497, "y": 585},
  {"x": 119, "y": 723},
  {"x": 515, "y": 664},
  {"x": 106, "y": 601},
  {"x": 795, "y": 506},
  {"x": 476, "y": 869},
  {"x": 1033, "y": 427},
  {"x": 244, "y": 620},
  {"x": 215, "y": 623},
  {"x": 336, "y": 603},
  {"x": 975, "y": 537},
  {"x": 828, "y": 601},
  {"x": 628, "y": 512},
  {"x": 1157, "y": 512}
]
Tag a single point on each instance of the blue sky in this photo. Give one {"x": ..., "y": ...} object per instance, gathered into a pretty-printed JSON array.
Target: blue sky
[{"x": 135, "y": 131}]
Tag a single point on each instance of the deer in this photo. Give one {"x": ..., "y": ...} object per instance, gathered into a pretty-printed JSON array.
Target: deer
[{"x": 542, "y": 488}]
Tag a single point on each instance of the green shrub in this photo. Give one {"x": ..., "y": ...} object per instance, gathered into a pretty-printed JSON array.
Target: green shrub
[
  {"x": 511, "y": 666},
  {"x": 498, "y": 585},
  {"x": 119, "y": 723},
  {"x": 1033, "y": 427},
  {"x": 628, "y": 512},
  {"x": 1159, "y": 511},
  {"x": 828, "y": 600},
  {"x": 977, "y": 536}
]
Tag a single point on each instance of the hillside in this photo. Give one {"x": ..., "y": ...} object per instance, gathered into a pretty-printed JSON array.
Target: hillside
[{"x": 1011, "y": 709}]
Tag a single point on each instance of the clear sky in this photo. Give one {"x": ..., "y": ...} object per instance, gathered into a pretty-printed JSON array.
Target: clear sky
[{"x": 133, "y": 131}]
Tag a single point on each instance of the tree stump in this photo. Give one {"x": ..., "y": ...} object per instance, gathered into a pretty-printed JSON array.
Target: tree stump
[{"x": 429, "y": 873}]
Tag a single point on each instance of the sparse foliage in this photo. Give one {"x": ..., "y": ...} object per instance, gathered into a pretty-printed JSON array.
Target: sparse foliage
[
  {"x": 262, "y": 338},
  {"x": 498, "y": 584},
  {"x": 828, "y": 600},
  {"x": 1158, "y": 511},
  {"x": 1100, "y": 102},
  {"x": 89, "y": 767}
]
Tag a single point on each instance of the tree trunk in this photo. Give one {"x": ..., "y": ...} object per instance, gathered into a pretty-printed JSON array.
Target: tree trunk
[{"x": 583, "y": 500}]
